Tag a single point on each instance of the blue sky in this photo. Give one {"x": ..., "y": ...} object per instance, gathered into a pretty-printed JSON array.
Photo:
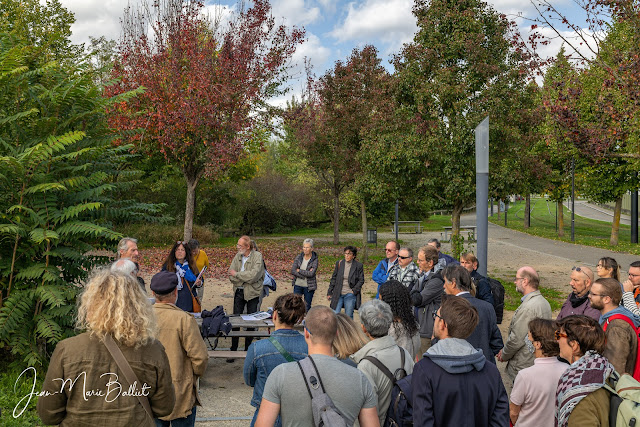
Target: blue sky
[{"x": 333, "y": 27}]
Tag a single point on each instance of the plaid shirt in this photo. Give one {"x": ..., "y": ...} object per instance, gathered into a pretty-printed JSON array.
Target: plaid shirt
[{"x": 409, "y": 277}]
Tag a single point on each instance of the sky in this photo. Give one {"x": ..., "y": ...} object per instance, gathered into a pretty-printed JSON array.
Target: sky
[{"x": 333, "y": 27}]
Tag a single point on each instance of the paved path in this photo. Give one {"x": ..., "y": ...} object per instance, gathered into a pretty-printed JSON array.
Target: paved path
[{"x": 589, "y": 210}]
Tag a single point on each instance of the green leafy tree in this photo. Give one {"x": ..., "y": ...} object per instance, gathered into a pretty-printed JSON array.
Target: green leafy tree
[
  {"x": 458, "y": 68},
  {"x": 58, "y": 174}
]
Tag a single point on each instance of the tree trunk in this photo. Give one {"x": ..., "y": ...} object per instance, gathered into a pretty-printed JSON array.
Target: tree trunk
[
  {"x": 192, "y": 183},
  {"x": 615, "y": 226},
  {"x": 365, "y": 248},
  {"x": 560, "y": 206},
  {"x": 527, "y": 211},
  {"x": 336, "y": 216}
]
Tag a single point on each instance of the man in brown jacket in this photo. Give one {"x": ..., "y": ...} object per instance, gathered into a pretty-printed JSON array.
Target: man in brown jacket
[
  {"x": 621, "y": 346},
  {"x": 179, "y": 334}
]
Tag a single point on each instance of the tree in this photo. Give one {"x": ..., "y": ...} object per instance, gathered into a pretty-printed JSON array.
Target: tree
[
  {"x": 458, "y": 68},
  {"x": 329, "y": 124},
  {"x": 58, "y": 173},
  {"x": 204, "y": 85}
]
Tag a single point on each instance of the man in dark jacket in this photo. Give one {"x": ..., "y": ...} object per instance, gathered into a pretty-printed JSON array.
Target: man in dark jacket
[
  {"x": 578, "y": 300},
  {"x": 486, "y": 336},
  {"x": 346, "y": 282},
  {"x": 483, "y": 288},
  {"x": 427, "y": 294},
  {"x": 453, "y": 384}
]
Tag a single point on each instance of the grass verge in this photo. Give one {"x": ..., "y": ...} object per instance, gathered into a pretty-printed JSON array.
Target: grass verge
[
  {"x": 13, "y": 389},
  {"x": 512, "y": 296},
  {"x": 588, "y": 232}
]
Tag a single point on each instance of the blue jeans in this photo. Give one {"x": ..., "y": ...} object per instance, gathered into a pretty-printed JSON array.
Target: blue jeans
[
  {"x": 303, "y": 290},
  {"x": 349, "y": 302},
  {"x": 188, "y": 421}
]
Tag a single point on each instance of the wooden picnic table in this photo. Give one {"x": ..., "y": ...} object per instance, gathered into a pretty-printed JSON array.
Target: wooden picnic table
[
  {"x": 238, "y": 322},
  {"x": 470, "y": 229},
  {"x": 408, "y": 226}
]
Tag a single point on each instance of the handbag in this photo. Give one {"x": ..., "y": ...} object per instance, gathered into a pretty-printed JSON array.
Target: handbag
[
  {"x": 197, "y": 307},
  {"x": 129, "y": 375}
]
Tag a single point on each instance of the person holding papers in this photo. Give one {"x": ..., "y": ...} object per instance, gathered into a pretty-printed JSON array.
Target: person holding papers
[{"x": 181, "y": 262}]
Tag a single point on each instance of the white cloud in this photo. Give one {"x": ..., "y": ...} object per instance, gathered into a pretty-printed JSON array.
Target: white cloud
[
  {"x": 390, "y": 21},
  {"x": 314, "y": 51},
  {"x": 95, "y": 18},
  {"x": 295, "y": 12}
]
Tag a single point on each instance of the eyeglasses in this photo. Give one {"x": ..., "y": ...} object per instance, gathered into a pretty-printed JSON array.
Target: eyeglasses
[
  {"x": 403, "y": 257},
  {"x": 519, "y": 278},
  {"x": 304, "y": 325},
  {"x": 180, "y": 243},
  {"x": 435, "y": 314},
  {"x": 633, "y": 275},
  {"x": 559, "y": 335}
]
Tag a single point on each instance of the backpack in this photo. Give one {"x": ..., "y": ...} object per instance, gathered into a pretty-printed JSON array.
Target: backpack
[
  {"x": 400, "y": 412},
  {"x": 624, "y": 407},
  {"x": 325, "y": 414},
  {"x": 497, "y": 290},
  {"x": 214, "y": 322},
  {"x": 636, "y": 369},
  {"x": 396, "y": 416}
]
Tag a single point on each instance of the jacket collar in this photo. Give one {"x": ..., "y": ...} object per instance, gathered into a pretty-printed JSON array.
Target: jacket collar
[{"x": 374, "y": 346}]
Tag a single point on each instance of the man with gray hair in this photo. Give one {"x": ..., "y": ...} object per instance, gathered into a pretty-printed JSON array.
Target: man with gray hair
[
  {"x": 405, "y": 271},
  {"x": 381, "y": 357},
  {"x": 127, "y": 267},
  {"x": 128, "y": 248}
]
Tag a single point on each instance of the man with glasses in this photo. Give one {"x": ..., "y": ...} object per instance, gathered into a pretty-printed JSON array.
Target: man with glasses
[
  {"x": 621, "y": 345},
  {"x": 578, "y": 300},
  {"x": 381, "y": 273},
  {"x": 405, "y": 271},
  {"x": 533, "y": 305},
  {"x": 453, "y": 384},
  {"x": 631, "y": 294},
  {"x": 426, "y": 296},
  {"x": 285, "y": 392},
  {"x": 246, "y": 274}
]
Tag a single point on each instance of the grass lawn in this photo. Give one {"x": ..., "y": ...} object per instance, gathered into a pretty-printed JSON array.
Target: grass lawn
[
  {"x": 512, "y": 297},
  {"x": 588, "y": 232}
]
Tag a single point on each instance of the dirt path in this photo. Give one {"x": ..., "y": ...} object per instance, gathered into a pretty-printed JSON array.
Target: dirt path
[{"x": 223, "y": 391}]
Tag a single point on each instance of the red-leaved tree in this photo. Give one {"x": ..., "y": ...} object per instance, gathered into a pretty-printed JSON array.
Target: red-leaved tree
[{"x": 206, "y": 85}]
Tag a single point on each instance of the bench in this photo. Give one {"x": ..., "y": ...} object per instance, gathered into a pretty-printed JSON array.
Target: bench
[
  {"x": 469, "y": 229},
  {"x": 408, "y": 226},
  {"x": 227, "y": 354}
]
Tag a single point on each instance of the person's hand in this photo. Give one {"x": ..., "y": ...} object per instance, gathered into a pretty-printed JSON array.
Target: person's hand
[
  {"x": 232, "y": 272},
  {"x": 499, "y": 356},
  {"x": 297, "y": 270},
  {"x": 198, "y": 283},
  {"x": 628, "y": 286},
  {"x": 329, "y": 297}
]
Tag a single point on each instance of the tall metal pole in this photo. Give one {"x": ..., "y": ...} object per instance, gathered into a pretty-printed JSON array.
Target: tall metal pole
[
  {"x": 482, "y": 193},
  {"x": 573, "y": 200},
  {"x": 634, "y": 216},
  {"x": 396, "y": 227},
  {"x": 492, "y": 206}
]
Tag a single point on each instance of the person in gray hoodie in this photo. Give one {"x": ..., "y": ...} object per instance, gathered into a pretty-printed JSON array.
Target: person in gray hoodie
[{"x": 453, "y": 385}]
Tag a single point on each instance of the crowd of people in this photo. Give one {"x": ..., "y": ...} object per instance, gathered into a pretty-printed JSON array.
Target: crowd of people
[{"x": 433, "y": 323}]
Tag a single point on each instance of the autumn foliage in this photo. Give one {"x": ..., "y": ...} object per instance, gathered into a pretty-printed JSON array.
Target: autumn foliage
[{"x": 204, "y": 83}]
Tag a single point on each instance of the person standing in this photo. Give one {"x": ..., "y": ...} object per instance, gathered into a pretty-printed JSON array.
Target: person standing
[
  {"x": 304, "y": 270},
  {"x": 202, "y": 261},
  {"x": 427, "y": 295},
  {"x": 247, "y": 276},
  {"x": 533, "y": 398},
  {"x": 285, "y": 392},
  {"x": 483, "y": 288},
  {"x": 264, "y": 355},
  {"x": 578, "y": 300},
  {"x": 631, "y": 294},
  {"x": 453, "y": 385},
  {"x": 621, "y": 340},
  {"x": 113, "y": 310},
  {"x": 346, "y": 282},
  {"x": 381, "y": 273},
  {"x": 376, "y": 318},
  {"x": 404, "y": 329},
  {"x": 179, "y": 334},
  {"x": 533, "y": 305},
  {"x": 405, "y": 271},
  {"x": 128, "y": 248},
  {"x": 180, "y": 262}
]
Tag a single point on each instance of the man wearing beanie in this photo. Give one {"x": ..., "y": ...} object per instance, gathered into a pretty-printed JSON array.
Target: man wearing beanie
[{"x": 179, "y": 334}]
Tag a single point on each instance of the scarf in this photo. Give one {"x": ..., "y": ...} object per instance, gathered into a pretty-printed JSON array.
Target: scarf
[
  {"x": 577, "y": 301},
  {"x": 180, "y": 272},
  {"x": 583, "y": 377}
]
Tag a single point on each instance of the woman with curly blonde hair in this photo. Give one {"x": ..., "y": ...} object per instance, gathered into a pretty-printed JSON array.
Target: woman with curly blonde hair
[{"x": 84, "y": 384}]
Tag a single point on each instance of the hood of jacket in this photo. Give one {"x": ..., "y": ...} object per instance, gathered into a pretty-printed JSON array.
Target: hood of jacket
[
  {"x": 623, "y": 311},
  {"x": 456, "y": 356}
]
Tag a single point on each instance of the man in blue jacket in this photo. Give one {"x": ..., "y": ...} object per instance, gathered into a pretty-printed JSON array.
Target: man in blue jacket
[
  {"x": 453, "y": 385},
  {"x": 381, "y": 273}
]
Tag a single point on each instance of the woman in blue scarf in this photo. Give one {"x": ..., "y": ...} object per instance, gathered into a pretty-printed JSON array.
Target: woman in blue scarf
[{"x": 182, "y": 263}]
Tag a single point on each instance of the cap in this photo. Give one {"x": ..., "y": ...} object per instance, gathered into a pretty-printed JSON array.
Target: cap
[{"x": 164, "y": 282}]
